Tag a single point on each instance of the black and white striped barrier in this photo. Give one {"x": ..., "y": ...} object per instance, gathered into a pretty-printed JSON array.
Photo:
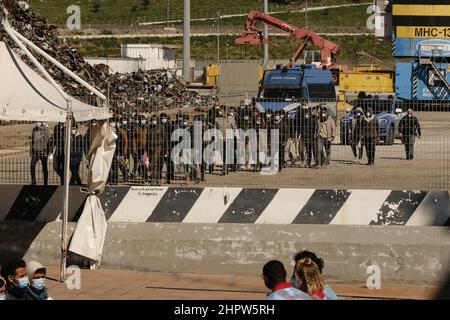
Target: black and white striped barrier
[{"x": 234, "y": 205}]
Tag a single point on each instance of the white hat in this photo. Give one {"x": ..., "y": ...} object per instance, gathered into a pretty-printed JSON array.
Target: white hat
[{"x": 32, "y": 267}]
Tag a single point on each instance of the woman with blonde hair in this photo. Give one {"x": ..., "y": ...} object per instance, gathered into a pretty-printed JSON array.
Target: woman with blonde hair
[
  {"x": 329, "y": 293},
  {"x": 309, "y": 279}
]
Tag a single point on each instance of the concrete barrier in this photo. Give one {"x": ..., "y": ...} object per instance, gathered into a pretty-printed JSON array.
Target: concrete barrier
[
  {"x": 235, "y": 205},
  {"x": 405, "y": 254}
]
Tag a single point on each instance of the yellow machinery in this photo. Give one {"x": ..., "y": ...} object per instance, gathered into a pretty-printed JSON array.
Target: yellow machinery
[
  {"x": 212, "y": 72},
  {"x": 363, "y": 79},
  {"x": 378, "y": 81}
]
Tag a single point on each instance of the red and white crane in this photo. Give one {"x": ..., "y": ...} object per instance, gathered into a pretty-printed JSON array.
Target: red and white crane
[{"x": 254, "y": 36}]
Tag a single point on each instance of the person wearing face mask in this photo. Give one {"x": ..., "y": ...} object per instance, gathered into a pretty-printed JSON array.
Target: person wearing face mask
[
  {"x": 167, "y": 159},
  {"x": 121, "y": 147},
  {"x": 308, "y": 137},
  {"x": 16, "y": 277},
  {"x": 409, "y": 128},
  {"x": 280, "y": 124},
  {"x": 58, "y": 151},
  {"x": 213, "y": 113},
  {"x": 158, "y": 139},
  {"x": 40, "y": 150},
  {"x": 233, "y": 118},
  {"x": 356, "y": 134},
  {"x": 76, "y": 155},
  {"x": 223, "y": 124},
  {"x": 37, "y": 279},
  {"x": 258, "y": 123},
  {"x": 127, "y": 125},
  {"x": 371, "y": 134},
  {"x": 327, "y": 134},
  {"x": 139, "y": 147}
]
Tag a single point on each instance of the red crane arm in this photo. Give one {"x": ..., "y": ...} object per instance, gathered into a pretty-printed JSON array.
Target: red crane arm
[{"x": 252, "y": 35}]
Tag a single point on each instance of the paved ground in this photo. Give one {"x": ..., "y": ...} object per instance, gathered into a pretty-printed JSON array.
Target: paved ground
[{"x": 132, "y": 285}]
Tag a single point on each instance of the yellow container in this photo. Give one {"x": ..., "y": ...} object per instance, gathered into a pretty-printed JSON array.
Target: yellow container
[
  {"x": 212, "y": 72},
  {"x": 376, "y": 81}
]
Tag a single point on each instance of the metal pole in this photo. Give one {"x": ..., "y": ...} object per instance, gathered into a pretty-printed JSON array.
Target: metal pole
[
  {"x": 65, "y": 215},
  {"x": 306, "y": 14},
  {"x": 187, "y": 40},
  {"x": 218, "y": 37},
  {"x": 168, "y": 13},
  {"x": 57, "y": 64},
  {"x": 266, "y": 37}
]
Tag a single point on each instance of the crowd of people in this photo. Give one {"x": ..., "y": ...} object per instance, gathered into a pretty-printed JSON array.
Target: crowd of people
[
  {"x": 22, "y": 280},
  {"x": 145, "y": 143}
]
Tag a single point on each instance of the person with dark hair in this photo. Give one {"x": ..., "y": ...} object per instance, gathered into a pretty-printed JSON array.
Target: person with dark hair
[
  {"x": 370, "y": 134},
  {"x": 15, "y": 274},
  {"x": 279, "y": 123},
  {"x": 139, "y": 147},
  {"x": 213, "y": 113},
  {"x": 327, "y": 133},
  {"x": 40, "y": 149},
  {"x": 167, "y": 128},
  {"x": 158, "y": 139},
  {"x": 2, "y": 288},
  {"x": 329, "y": 293},
  {"x": 409, "y": 128},
  {"x": 224, "y": 123},
  {"x": 274, "y": 276},
  {"x": 76, "y": 155},
  {"x": 356, "y": 134},
  {"x": 58, "y": 152}
]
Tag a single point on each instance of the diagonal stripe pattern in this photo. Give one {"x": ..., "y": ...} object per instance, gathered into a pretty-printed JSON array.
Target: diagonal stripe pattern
[{"x": 140, "y": 204}]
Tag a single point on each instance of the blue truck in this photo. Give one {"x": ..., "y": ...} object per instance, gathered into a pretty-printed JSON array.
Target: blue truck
[{"x": 301, "y": 85}]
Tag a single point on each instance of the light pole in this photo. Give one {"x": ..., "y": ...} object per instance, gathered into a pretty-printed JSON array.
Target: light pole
[
  {"x": 187, "y": 40},
  {"x": 218, "y": 37},
  {"x": 306, "y": 13},
  {"x": 266, "y": 37},
  {"x": 168, "y": 13}
]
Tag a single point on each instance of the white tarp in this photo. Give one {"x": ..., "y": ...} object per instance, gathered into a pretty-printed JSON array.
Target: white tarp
[
  {"x": 90, "y": 231},
  {"x": 26, "y": 96}
]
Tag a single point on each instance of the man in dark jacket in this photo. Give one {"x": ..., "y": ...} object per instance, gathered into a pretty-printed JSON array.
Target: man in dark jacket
[
  {"x": 76, "y": 155},
  {"x": 17, "y": 282},
  {"x": 308, "y": 132},
  {"x": 409, "y": 128},
  {"x": 168, "y": 128},
  {"x": 356, "y": 134},
  {"x": 58, "y": 153},
  {"x": 157, "y": 142},
  {"x": 40, "y": 149},
  {"x": 371, "y": 134}
]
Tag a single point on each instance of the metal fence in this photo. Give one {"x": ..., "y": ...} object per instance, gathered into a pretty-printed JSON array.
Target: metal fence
[{"x": 312, "y": 151}]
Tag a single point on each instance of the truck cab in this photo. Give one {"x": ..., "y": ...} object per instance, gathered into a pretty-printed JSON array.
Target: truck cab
[{"x": 302, "y": 85}]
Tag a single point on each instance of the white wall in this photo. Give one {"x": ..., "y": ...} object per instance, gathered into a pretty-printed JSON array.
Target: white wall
[
  {"x": 155, "y": 57},
  {"x": 117, "y": 65}
]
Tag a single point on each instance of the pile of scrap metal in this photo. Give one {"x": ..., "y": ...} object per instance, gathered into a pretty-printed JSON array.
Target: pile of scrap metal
[{"x": 144, "y": 90}]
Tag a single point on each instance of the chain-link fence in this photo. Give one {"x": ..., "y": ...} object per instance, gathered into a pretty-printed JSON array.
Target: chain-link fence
[{"x": 263, "y": 143}]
